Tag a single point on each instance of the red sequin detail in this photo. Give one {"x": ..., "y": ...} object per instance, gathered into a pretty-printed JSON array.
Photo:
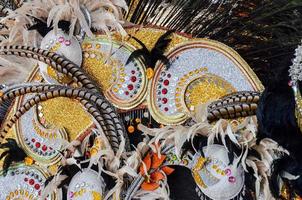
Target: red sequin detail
[
  {"x": 31, "y": 181},
  {"x": 127, "y": 93},
  {"x": 164, "y": 91},
  {"x": 165, "y": 100},
  {"x": 133, "y": 79},
  {"x": 25, "y": 179},
  {"x": 33, "y": 140},
  {"x": 133, "y": 72},
  {"x": 38, "y": 144},
  {"x": 166, "y": 82},
  {"x": 130, "y": 87},
  {"x": 169, "y": 75},
  {"x": 37, "y": 186},
  {"x": 166, "y": 109},
  {"x": 44, "y": 148}
]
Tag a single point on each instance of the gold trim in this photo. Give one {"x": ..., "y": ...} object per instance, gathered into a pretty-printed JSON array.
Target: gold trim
[
  {"x": 141, "y": 96},
  {"x": 46, "y": 175},
  {"x": 28, "y": 151},
  {"x": 209, "y": 44}
]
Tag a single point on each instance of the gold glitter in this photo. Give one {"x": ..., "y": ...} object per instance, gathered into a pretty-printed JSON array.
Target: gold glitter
[
  {"x": 149, "y": 36},
  {"x": 66, "y": 113},
  {"x": 101, "y": 72},
  {"x": 206, "y": 88},
  {"x": 98, "y": 46}
]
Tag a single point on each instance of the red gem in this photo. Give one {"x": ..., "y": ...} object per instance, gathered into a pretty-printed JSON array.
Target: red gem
[
  {"x": 38, "y": 144},
  {"x": 127, "y": 93},
  {"x": 133, "y": 79},
  {"x": 165, "y": 100},
  {"x": 166, "y": 82},
  {"x": 37, "y": 186},
  {"x": 25, "y": 179},
  {"x": 166, "y": 109},
  {"x": 169, "y": 75},
  {"x": 133, "y": 72},
  {"x": 33, "y": 140},
  {"x": 31, "y": 182},
  {"x": 164, "y": 91},
  {"x": 130, "y": 87},
  {"x": 44, "y": 148}
]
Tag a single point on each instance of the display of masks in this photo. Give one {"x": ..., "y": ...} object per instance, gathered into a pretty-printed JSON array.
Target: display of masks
[{"x": 140, "y": 99}]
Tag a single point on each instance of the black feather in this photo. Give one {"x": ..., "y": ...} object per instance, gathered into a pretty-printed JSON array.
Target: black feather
[
  {"x": 156, "y": 54},
  {"x": 43, "y": 29},
  {"x": 12, "y": 154}
]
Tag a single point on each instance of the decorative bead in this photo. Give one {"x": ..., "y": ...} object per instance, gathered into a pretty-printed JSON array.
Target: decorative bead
[
  {"x": 93, "y": 151},
  {"x": 131, "y": 129},
  {"x": 149, "y": 73},
  {"x": 132, "y": 72},
  {"x": 67, "y": 42},
  {"x": 138, "y": 120},
  {"x": 164, "y": 91},
  {"x": 228, "y": 172},
  {"x": 164, "y": 100},
  {"x": 232, "y": 179},
  {"x": 130, "y": 87},
  {"x": 166, "y": 109},
  {"x": 28, "y": 161},
  {"x": 61, "y": 39},
  {"x": 127, "y": 93},
  {"x": 37, "y": 186},
  {"x": 31, "y": 182},
  {"x": 166, "y": 82},
  {"x": 44, "y": 147},
  {"x": 133, "y": 79},
  {"x": 146, "y": 114},
  {"x": 38, "y": 144},
  {"x": 169, "y": 75}
]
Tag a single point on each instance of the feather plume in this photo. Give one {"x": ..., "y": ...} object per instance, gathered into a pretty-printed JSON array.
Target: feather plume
[{"x": 106, "y": 16}]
